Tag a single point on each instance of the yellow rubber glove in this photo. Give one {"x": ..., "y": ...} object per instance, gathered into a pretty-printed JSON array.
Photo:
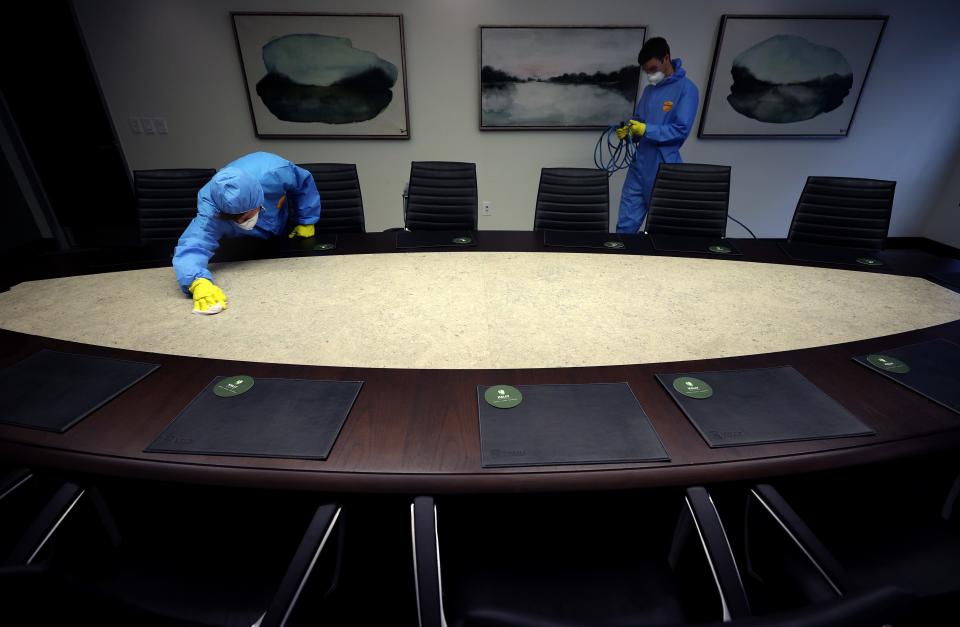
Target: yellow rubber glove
[
  {"x": 622, "y": 132},
  {"x": 637, "y": 129},
  {"x": 302, "y": 230},
  {"x": 207, "y": 297}
]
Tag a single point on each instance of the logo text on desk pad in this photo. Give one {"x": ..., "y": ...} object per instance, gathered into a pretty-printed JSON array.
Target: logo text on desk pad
[
  {"x": 720, "y": 249},
  {"x": 233, "y": 386},
  {"x": 888, "y": 364},
  {"x": 462, "y": 240},
  {"x": 613, "y": 244},
  {"x": 325, "y": 246},
  {"x": 692, "y": 387},
  {"x": 869, "y": 261},
  {"x": 503, "y": 396}
]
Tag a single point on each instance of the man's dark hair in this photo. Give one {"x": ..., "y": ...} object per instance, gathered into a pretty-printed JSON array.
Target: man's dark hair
[{"x": 653, "y": 48}]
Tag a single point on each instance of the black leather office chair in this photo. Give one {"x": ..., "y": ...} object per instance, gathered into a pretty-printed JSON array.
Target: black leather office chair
[
  {"x": 340, "y": 197},
  {"x": 441, "y": 196},
  {"x": 572, "y": 199},
  {"x": 843, "y": 534},
  {"x": 568, "y": 562},
  {"x": 690, "y": 199},
  {"x": 843, "y": 212},
  {"x": 166, "y": 203},
  {"x": 171, "y": 555}
]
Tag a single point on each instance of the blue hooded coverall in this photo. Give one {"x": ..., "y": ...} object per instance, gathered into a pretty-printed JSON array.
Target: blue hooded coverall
[
  {"x": 668, "y": 109},
  {"x": 259, "y": 179}
]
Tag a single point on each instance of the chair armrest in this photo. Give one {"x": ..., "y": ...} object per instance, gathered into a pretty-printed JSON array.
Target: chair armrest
[
  {"x": 717, "y": 548},
  {"x": 45, "y": 525},
  {"x": 784, "y": 515},
  {"x": 426, "y": 562},
  {"x": 12, "y": 480},
  {"x": 298, "y": 571}
]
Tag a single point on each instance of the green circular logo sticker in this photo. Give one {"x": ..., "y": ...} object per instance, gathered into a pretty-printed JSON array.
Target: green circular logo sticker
[
  {"x": 462, "y": 240},
  {"x": 721, "y": 250},
  {"x": 233, "y": 386},
  {"x": 692, "y": 387},
  {"x": 888, "y": 364},
  {"x": 503, "y": 396},
  {"x": 869, "y": 261},
  {"x": 613, "y": 244},
  {"x": 325, "y": 246}
]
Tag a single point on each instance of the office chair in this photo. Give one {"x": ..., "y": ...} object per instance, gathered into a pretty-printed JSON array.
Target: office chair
[
  {"x": 441, "y": 196},
  {"x": 572, "y": 199},
  {"x": 839, "y": 535},
  {"x": 340, "y": 198},
  {"x": 843, "y": 212},
  {"x": 573, "y": 561},
  {"x": 166, "y": 203},
  {"x": 689, "y": 199},
  {"x": 171, "y": 555}
]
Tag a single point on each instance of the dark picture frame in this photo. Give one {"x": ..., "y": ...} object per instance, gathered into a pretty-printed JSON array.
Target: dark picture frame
[
  {"x": 557, "y": 59},
  {"x": 370, "y": 103},
  {"x": 754, "y": 92}
]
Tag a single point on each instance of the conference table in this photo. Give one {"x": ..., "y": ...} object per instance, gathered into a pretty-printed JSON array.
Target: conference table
[{"x": 422, "y": 328}]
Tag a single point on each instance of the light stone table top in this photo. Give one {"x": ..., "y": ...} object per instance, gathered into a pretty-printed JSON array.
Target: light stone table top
[{"x": 481, "y": 309}]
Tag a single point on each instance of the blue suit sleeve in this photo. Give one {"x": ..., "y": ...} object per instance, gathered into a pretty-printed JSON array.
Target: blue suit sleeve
[
  {"x": 194, "y": 250},
  {"x": 305, "y": 196},
  {"x": 678, "y": 130}
]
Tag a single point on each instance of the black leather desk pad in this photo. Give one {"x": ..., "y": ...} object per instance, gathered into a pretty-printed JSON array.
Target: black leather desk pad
[
  {"x": 830, "y": 254},
  {"x": 594, "y": 423},
  {"x": 686, "y": 244},
  {"x": 763, "y": 406},
  {"x": 434, "y": 239},
  {"x": 950, "y": 280},
  {"x": 934, "y": 370},
  {"x": 53, "y": 391},
  {"x": 287, "y": 418},
  {"x": 581, "y": 239}
]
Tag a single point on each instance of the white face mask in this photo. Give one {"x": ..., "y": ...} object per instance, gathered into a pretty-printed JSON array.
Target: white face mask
[
  {"x": 655, "y": 78},
  {"x": 249, "y": 223}
]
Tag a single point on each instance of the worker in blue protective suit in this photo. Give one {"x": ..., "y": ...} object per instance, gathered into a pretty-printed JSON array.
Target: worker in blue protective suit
[
  {"x": 661, "y": 123},
  {"x": 249, "y": 197}
]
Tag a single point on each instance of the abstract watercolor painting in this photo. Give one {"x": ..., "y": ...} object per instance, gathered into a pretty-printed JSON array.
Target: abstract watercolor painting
[
  {"x": 324, "y": 75},
  {"x": 791, "y": 76}
]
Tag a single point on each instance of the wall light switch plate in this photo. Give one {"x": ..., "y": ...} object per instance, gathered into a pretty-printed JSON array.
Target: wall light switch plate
[{"x": 487, "y": 208}]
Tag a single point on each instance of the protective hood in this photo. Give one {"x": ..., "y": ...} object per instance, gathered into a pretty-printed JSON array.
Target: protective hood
[
  {"x": 678, "y": 72},
  {"x": 233, "y": 191}
]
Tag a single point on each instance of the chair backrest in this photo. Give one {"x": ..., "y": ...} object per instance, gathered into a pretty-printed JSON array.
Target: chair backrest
[
  {"x": 166, "y": 203},
  {"x": 690, "y": 199},
  {"x": 441, "y": 196},
  {"x": 340, "y": 199},
  {"x": 572, "y": 199},
  {"x": 848, "y": 212}
]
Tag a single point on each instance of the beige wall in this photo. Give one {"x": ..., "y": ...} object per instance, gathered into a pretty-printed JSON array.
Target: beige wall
[{"x": 177, "y": 59}]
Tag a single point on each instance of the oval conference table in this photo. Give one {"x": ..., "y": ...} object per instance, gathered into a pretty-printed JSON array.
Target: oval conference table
[{"x": 422, "y": 328}]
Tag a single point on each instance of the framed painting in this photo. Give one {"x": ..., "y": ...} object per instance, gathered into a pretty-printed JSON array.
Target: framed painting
[
  {"x": 788, "y": 75},
  {"x": 324, "y": 75},
  {"x": 558, "y": 77}
]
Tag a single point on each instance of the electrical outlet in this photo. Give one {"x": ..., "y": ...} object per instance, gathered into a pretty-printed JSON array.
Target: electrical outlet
[
  {"x": 147, "y": 124},
  {"x": 487, "y": 209},
  {"x": 135, "y": 127},
  {"x": 161, "y": 125}
]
